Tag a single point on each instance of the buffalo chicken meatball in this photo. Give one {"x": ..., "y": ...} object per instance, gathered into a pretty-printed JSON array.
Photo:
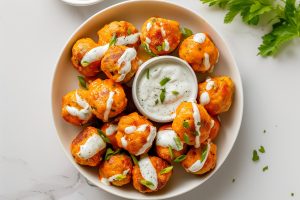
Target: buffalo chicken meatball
[
  {"x": 215, "y": 128},
  {"x": 120, "y": 63},
  {"x": 201, "y": 160},
  {"x": 160, "y": 36},
  {"x": 116, "y": 170},
  {"x": 135, "y": 134},
  {"x": 216, "y": 94},
  {"x": 200, "y": 52},
  {"x": 119, "y": 33},
  {"x": 151, "y": 174},
  {"x": 75, "y": 108},
  {"x": 107, "y": 98},
  {"x": 88, "y": 147},
  {"x": 86, "y": 56},
  {"x": 168, "y": 144},
  {"x": 192, "y": 123},
  {"x": 110, "y": 130}
]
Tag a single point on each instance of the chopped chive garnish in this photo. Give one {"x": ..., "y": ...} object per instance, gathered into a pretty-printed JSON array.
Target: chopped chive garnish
[
  {"x": 135, "y": 161},
  {"x": 180, "y": 158},
  {"x": 103, "y": 136},
  {"x": 186, "y": 32},
  {"x": 175, "y": 92},
  {"x": 171, "y": 152},
  {"x": 129, "y": 31},
  {"x": 262, "y": 149},
  {"x": 120, "y": 177},
  {"x": 162, "y": 95},
  {"x": 166, "y": 170},
  {"x": 265, "y": 168},
  {"x": 255, "y": 156},
  {"x": 84, "y": 63},
  {"x": 185, "y": 124},
  {"x": 186, "y": 138},
  {"x": 113, "y": 40},
  {"x": 82, "y": 82},
  {"x": 110, "y": 152},
  {"x": 148, "y": 51},
  {"x": 146, "y": 183},
  {"x": 159, "y": 48},
  {"x": 178, "y": 142},
  {"x": 204, "y": 153},
  {"x": 163, "y": 45},
  {"x": 164, "y": 81},
  {"x": 148, "y": 73}
]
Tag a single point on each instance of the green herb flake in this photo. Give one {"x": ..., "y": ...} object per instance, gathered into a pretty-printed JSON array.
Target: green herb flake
[
  {"x": 163, "y": 45},
  {"x": 180, "y": 158},
  {"x": 113, "y": 40},
  {"x": 185, "y": 124},
  {"x": 159, "y": 48},
  {"x": 166, "y": 170},
  {"x": 147, "y": 183},
  {"x": 178, "y": 143},
  {"x": 110, "y": 152},
  {"x": 82, "y": 82},
  {"x": 147, "y": 49},
  {"x": 175, "y": 92},
  {"x": 255, "y": 156},
  {"x": 265, "y": 168},
  {"x": 204, "y": 153},
  {"x": 164, "y": 81},
  {"x": 171, "y": 152},
  {"x": 264, "y": 131},
  {"x": 186, "y": 138},
  {"x": 129, "y": 31},
  {"x": 120, "y": 177},
  {"x": 261, "y": 149},
  {"x": 134, "y": 159},
  {"x": 148, "y": 73},
  {"x": 103, "y": 136},
  {"x": 162, "y": 95},
  {"x": 186, "y": 32},
  {"x": 84, "y": 63}
]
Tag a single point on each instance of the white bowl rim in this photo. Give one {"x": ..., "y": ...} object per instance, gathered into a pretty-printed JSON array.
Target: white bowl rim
[
  {"x": 81, "y": 3},
  {"x": 146, "y": 65},
  {"x": 238, "y": 81}
]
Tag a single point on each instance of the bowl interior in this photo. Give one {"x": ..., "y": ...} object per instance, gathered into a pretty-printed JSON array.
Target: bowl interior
[{"x": 136, "y": 12}]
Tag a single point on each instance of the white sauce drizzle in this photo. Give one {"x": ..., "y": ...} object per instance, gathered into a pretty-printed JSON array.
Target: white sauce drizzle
[
  {"x": 107, "y": 181},
  {"x": 206, "y": 61},
  {"x": 204, "y": 98},
  {"x": 162, "y": 30},
  {"x": 109, "y": 103},
  {"x": 148, "y": 26},
  {"x": 210, "y": 84},
  {"x": 167, "y": 45},
  {"x": 142, "y": 127},
  {"x": 148, "y": 171},
  {"x": 148, "y": 40},
  {"x": 150, "y": 138},
  {"x": 199, "y": 38},
  {"x": 197, "y": 124},
  {"x": 130, "y": 129},
  {"x": 129, "y": 39},
  {"x": 93, "y": 55},
  {"x": 111, "y": 129},
  {"x": 83, "y": 114},
  {"x": 92, "y": 146},
  {"x": 166, "y": 138},
  {"x": 126, "y": 58},
  {"x": 124, "y": 142},
  {"x": 198, "y": 165}
]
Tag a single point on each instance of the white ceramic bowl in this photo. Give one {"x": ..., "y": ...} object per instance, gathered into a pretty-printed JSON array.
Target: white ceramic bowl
[
  {"x": 81, "y": 2},
  {"x": 151, "y": 63},
  {"x": 137, "y": 12}
]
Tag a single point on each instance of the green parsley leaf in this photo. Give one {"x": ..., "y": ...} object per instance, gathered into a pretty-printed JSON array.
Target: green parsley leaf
[
  {"x": 166, "y": 170},
  {"x": 113, "y": 40},
  {"x": 171, "y": 152},
  {"x": 255, "y": 156},
  {"x": 147, "y": 49},
  {"x": 220, "y": 3},
  {"x": 265, "y": 168},
  {"x": 147, "y": 183},
  {"x": 164, "y": 81},
  {"x": 82, "y": 82},
  {"x": 103, "y": 136},
  {"x": 185, "y": 124},
  {"x": 178, "y": 143},
  {"x": 261, "y": 149},
  {"x": 175, "y": 92},
  {"x": 186, "y": 32},
  {"x": 180, "y": 158},
  {"x": 135, "y": 161},
  {"x": 162, "y": 95},
  {"x": 204, "y": 153},
  {"x": 186, "y": 138},
  {"x": 148, "y": 73}
]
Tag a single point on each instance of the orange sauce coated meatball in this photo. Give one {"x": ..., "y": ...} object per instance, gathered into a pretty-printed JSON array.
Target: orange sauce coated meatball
[
  {"x": 216, "y": 94},
  {"x": 107, "y": 98},
  {"x": 162, "y": 179},
  {"x": 115, "y": 65},
  {"x": 196, "y": 155},
  {"x": 75, "y": 108},
  {"x": 80, "y": 48},
  {"x": 185, "y": 125},
  {"x": 214, "y": 131},
  {"x": 200, "y": 52},
  {"x": 88, "y": 147},
  {"x": 135, "y": 134},
  {"x": 161, "y": 36},
  {"x": 116, "y": 170},
  {"x": 110, "y": 130}
]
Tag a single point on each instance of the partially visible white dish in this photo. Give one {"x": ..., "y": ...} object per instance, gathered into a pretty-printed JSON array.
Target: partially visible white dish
[{"x": 81, "y": 2}]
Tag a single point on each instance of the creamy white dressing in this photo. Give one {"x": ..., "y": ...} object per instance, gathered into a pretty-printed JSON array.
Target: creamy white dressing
[
  {"x": 198, "y": 165},
  {"x": 129, "y": 39},
  {"x": 84, "y": 113},
  {"x": 126, "y": 58},
  {"x": 199, "y": 38},
  {"x": 107, "y": 181},
  {"x": 109, "y": 103},
  {"x": 206, "y": 61},
  {"x": 177, "y": 90},
  {"x": 197, "y": 124},
  {"x": 142, "y": 127},
  {"x": 124, "y": 142},
  {"x": 167, "y": 45},
  {"x": 93, "y": 55},
  {"x": 204, "y": 98},
  {"x": 148, "y": 172},
  {"x": 111, "y": 129},
  {"x": 209, "y": 84},
  {"x": 130, "y": 129},
  {"x": 148, "y": 26},
  {"x": 150, "y": 139},
  {"x": 166, "y": 138},
  {"x": 162, "y": 30},
  {"x": 92, "y": 146},
  {"x": 148, "y": 40},
  {"x": 212, "y": 124}
]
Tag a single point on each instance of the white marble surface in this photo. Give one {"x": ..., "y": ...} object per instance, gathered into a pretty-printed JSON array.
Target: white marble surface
[{"x": 32, "y": 163}]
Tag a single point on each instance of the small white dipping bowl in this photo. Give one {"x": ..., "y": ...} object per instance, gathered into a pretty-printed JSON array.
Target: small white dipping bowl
[{"x": 193, "y": 85}]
